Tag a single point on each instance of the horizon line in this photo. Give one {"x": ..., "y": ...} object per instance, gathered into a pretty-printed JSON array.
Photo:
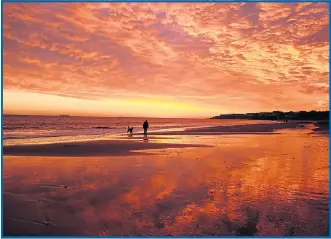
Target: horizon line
[
  {"x": 100, "y": 116},
  {"x": 151, "y": 117}
]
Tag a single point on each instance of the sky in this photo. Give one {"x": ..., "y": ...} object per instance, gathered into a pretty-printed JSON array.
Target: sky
[{"x": 165, "y": 59}]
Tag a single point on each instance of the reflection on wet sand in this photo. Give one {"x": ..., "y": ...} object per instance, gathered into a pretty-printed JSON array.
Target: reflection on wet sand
[{"x": 244, "y": 185}]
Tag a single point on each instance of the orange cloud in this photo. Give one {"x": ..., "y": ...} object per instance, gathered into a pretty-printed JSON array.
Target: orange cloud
[{"x": 167, "y": 57}]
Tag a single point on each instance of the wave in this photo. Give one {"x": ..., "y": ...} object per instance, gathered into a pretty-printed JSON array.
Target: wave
[
  {"x": 40, "y": 127},
  {"x": 29, "y": 134},
  {"x": 19, "y": 127},
  {"x": 103, "y": 127}
]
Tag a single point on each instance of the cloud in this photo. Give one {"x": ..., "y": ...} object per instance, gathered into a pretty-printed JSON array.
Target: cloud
[{"x": 267, "y": 54}]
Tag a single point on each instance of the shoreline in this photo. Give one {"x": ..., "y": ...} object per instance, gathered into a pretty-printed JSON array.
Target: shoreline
[
  {"x": 322, "y": 128},
  {"x": 256, "y": 128},
  {"x": 121, "y": 146}
]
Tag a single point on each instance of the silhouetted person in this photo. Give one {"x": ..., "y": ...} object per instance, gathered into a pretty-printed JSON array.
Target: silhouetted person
[
  {"x": 145, "y": 126},
  {"x": 130, "y": 130}
]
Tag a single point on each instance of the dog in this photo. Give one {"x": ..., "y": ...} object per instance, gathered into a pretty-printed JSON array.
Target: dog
[{"x": 130, "y": 130}]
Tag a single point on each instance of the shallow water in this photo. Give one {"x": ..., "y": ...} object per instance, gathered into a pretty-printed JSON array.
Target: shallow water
[{"x": 244, "y": 185}]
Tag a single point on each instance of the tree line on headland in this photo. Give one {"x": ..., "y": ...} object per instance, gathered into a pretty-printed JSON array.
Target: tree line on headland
[{"x": 279, "y": 115}]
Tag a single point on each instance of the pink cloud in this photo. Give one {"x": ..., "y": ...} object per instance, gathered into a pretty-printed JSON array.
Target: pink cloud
[{"x": 267, "y": 55}]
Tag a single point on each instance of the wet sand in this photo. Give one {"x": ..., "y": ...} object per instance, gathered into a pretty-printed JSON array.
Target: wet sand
[
  {"x": 241, "y": 184},
  {"x": 238, "y": 129},
  {"x": 92, "y": 148},
  {"x": 134, "y": 145}
]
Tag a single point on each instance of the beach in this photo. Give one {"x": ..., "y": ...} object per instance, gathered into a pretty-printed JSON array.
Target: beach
[
  {"x": 165, "y": 119},
  {"x": 245, "y": 179}
]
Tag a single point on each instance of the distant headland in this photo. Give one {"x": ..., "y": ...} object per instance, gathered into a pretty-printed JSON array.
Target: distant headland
[{"x": 279, "y": 115}]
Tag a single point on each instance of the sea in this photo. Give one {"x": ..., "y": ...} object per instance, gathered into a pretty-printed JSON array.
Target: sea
[{"x": 25, "y": 129}]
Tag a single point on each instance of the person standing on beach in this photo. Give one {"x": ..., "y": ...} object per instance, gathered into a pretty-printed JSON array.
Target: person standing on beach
[{"x": 145, "y": 126}]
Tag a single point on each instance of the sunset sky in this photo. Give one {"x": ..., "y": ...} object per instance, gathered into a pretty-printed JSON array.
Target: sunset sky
[{"x": 165, "y": 59}]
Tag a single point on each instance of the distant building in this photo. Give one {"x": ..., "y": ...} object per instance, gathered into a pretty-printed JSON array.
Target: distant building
[{"x": 275, "y": 115}]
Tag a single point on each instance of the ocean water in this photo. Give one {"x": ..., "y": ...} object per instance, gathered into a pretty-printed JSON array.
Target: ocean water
[{"x": 32, "y": 129}]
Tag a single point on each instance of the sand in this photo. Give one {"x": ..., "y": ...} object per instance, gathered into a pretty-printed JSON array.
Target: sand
[
  {"x": 261, "y": 183},
  {"x": 238, "y": 129},
  {"x": 91, "y": 148}
]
